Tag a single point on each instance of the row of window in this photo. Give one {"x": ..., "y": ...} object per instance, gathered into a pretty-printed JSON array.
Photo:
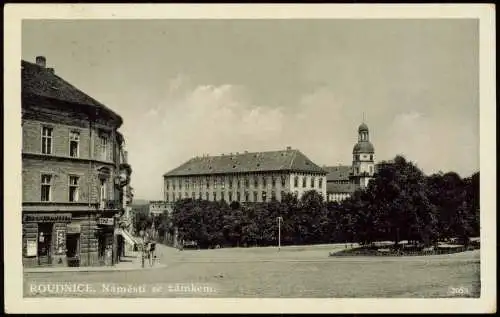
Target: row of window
[
  {"x": 74, "y": 143},
  {"x": 304, "y": 182},
  {"x": 342, "y": 181},
  {"x": 370, "y": 169},
  {"x": 222, "y": 183},
  {"x": 245, "y": 197},
  {"x": 239, "y": 183},
  {"x": 73, "y": 188}
]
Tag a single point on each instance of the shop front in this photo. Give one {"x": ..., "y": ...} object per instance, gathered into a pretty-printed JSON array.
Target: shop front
[
  {"x": 73, "y": 238},
  {"x": 44, "y": 239},
  {"x": 105, "y": 238}
]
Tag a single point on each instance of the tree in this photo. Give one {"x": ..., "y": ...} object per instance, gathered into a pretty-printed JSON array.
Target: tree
[
  {"x": 453, "y": 200},
  {"x": 142, "y": 219},
  {"x": 394, "y": 207}
]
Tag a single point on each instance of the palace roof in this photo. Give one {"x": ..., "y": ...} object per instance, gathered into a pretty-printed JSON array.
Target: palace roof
[
  {"x": 271, "y": 161},
  {"x": 340, "y": 172},
  {"x": 341, "y": 188}
]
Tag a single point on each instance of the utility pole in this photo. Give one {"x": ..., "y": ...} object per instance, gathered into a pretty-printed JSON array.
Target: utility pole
[
  {"x": 279, "y": 233},
  {"x": 142, "y": 247}
]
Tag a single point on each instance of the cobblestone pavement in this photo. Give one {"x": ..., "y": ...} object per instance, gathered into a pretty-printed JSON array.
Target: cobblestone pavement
[
  {"x": 132, "y": 261},
  {"x": 265, "y": 272}
]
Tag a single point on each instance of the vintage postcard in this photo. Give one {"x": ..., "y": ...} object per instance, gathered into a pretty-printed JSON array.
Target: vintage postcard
[{"x": 249, "y": 158}]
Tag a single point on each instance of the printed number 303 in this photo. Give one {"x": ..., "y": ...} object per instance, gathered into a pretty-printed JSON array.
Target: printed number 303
[{"x": 458, "y": 290}]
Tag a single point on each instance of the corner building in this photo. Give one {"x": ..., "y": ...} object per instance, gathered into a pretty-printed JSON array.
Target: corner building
[
  {"x": 72, "y": 176},
  {"x": 246, "y": 177}
]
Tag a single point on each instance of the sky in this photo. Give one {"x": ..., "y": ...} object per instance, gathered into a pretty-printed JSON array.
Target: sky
[{"x": 187, "y": 88}]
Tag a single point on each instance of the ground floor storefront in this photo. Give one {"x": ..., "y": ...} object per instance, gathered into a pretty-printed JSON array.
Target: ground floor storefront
[{"x": 71, "y": 239}]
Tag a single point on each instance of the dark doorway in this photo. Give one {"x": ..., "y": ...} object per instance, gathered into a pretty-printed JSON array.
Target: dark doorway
[
  {"x": 101, "y": 247},
  {"x": 73, "y": 249},
  {"x": 44, "y": 243}
]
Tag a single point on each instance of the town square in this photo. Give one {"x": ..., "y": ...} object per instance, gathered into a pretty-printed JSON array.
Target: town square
[{"x": 244, "y": 158}]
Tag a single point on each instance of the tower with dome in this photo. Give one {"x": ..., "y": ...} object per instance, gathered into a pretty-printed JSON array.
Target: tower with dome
[
  {"x": 363, "y": 158},
  {"x": 343, "y": 180}
]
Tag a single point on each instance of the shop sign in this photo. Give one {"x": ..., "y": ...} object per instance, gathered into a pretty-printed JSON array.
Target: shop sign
[
  {"x": 105, "y": 221},
  {"x": 73, "y": 228},
  {"x": 47, "y": 218},
  {"x": 60, "y": 241},
  {"x": 31, "y": 247}
]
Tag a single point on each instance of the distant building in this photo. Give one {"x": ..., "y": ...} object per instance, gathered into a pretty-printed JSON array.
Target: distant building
[
  {"x": 343, "y": 180},
  {"x": 339, "y": 185},
  {"x": 245, "y": 177},
  {"x": 159, "y": 207}
]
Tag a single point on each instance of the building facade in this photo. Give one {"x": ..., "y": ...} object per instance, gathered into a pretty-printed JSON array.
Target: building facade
[
  {"x": 246, "y": 177},
  {"x": 158, "y": 207},
  {"x": 73, "y": 172},
  {"x": 343, "y": 180}
]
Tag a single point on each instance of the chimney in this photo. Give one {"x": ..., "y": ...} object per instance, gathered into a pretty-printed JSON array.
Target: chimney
[
  {"x": 288, "y": 148},
  {"x": 41, "y": 61}
]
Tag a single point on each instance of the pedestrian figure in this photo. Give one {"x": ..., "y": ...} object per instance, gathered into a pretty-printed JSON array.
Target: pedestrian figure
[
  {"x": 152, "y": 255},
  {"x": 145, "y": 253}
]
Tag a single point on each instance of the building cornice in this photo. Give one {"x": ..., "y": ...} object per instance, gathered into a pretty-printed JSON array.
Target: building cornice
[
  {"x": 287, "y": 171},
  {"x": 65, "y": 158}
]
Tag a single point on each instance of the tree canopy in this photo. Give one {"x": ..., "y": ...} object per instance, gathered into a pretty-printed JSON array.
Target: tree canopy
[{"x": 400, "y": 203}]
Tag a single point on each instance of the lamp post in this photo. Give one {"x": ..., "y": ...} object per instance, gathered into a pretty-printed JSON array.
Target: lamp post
[
  {"x": 142, "y": 247},
  {"x": 279, "y": 232}
]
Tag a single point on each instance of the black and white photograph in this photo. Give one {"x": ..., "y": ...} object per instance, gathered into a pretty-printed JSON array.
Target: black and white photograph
[{"x": 243, "y": 155}]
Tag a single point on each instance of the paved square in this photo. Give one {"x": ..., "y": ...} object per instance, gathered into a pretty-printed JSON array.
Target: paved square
[{"x": 293, "y": 272}]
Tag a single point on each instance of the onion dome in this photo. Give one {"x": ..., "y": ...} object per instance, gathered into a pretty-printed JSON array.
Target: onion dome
[{"x": 363, "y": 127}]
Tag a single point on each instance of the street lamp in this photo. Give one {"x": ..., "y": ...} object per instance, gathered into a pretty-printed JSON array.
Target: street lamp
[
  {"x": 141, "y": 233},
  {"x": 279, "y": 232}
]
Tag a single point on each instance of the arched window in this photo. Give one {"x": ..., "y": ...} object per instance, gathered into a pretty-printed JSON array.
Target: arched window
[{"x": 296, "y": 181}]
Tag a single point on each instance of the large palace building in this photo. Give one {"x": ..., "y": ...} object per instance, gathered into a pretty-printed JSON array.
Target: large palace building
[
  {"x": 343, "y": 180},
  {"x": 73, "y": 173},
  {"x": 245, "y": 177}
]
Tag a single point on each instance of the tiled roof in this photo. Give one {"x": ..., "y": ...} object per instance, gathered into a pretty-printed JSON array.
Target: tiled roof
[
  {"x": 285, "y": 160},
  {"x": 41, "y": 81},
  {"x": 340, "y": 188},
  {"x": 340, "y": 172}
]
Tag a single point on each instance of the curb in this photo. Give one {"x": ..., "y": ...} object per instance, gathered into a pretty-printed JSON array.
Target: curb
[{"x": 90, "y": 269}]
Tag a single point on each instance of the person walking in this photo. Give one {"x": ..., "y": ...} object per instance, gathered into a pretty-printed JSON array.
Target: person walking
[{"x": 152, "y": 255}]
